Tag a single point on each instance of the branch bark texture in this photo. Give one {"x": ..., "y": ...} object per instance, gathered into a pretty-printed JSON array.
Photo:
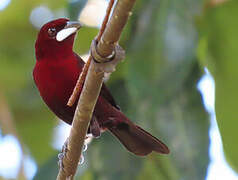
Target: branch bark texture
[
  {"x": 91, "y": 89},
  {"x": 115, "y": 26}
]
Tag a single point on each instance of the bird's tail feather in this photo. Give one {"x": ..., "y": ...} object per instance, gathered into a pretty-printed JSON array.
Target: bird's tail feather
[{"x": 137, "y": 140}]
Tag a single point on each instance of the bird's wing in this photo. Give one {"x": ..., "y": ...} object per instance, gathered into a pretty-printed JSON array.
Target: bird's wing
[{"x": 105, "y": 93}]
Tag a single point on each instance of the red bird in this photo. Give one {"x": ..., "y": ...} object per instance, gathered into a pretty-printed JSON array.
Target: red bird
[{"x": 56, "y": 72}]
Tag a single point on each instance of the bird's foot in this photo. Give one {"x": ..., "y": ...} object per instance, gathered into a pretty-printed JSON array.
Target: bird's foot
[
  {"x": 94, "y": 128},
  {"x": 63, "y": 154},
  {"x": 107, "y": 64}
]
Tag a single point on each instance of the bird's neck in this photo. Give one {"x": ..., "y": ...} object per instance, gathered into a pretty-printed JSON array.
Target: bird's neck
[{"x": 53, "y": 49}]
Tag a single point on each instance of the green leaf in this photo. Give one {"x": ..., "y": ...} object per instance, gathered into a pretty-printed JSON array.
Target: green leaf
[{"x": 218, "y": 47}]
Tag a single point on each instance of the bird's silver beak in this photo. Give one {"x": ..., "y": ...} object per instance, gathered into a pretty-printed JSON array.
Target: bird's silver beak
[
  {"x": 74, "y": 24},
  {"x": 70, "y": 28}
]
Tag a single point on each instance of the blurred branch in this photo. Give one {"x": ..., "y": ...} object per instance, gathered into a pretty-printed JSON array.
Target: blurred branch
[
  {"x": 8, "y": 127},
  {"x": 91, "y": 89},
  {"x": 6, "y": 121},
  {"x": 213, "y": 3}
]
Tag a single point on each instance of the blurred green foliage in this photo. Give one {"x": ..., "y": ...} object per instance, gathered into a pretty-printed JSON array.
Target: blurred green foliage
[
  {"x": 156, "y": 86},
  {"x": 34, "y": 122},
  {"x": 218, "y": 49}
]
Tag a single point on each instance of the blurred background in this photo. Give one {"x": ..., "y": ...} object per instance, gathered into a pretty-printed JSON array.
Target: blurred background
[{"x": 179, "y": 81}]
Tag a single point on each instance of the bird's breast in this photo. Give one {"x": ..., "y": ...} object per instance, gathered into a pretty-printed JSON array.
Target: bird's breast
[{"x": 56, "y": 82}]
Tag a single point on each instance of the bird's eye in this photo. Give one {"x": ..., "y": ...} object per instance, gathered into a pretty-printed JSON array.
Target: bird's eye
[{"x": 52, "y": 32}]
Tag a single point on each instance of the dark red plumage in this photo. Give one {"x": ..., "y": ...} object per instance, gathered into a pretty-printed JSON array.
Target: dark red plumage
[{"x": 56, "y": 72}]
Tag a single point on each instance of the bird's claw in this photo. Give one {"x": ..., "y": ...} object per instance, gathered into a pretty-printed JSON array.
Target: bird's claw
[
  {"x": 95, "y": 128},
  {"x": 112, "y": 60},
  {"x": 62, "y": 154}
]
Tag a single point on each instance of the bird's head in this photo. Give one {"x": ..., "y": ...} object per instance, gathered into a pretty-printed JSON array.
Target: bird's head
[{"x": 56, "y": 38}]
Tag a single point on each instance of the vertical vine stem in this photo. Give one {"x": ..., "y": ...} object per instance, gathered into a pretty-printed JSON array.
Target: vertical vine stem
[
  {"x": 81, "y": 79},
  {"x": 91, "y": 89}
]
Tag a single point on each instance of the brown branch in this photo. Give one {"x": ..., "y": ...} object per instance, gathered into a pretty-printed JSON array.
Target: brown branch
[
  {"x": 217, "y": 2},
  {"x": 214, "y": 3},
  {"x": 82, "y": 77},
  {"x": 91, "y": 89},
  {"x": 114, "y": 29},
  {"x": 79, "y": 85},
  {"x": 8, "y": 127}
]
